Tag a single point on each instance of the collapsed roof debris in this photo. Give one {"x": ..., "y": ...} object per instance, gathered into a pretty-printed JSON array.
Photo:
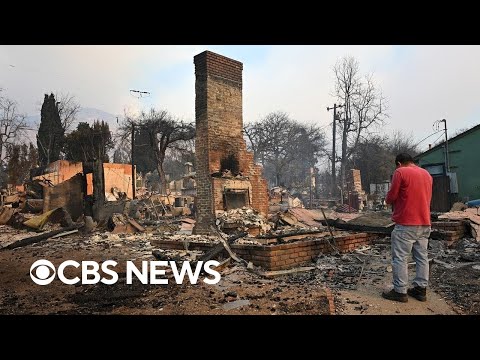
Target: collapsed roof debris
[{"x": 243, "y": 219}]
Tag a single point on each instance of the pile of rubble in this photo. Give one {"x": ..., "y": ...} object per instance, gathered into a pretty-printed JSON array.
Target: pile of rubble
[
  {"x": 346, "y": 271},
  {"x": 244, "y": 219},
  {"x": 455, "y": 273},
  {"x": 470, "y": 215},
  {"x": 345, "y": 208},
  {"x": 176, "y": 255},
  {"x": 190, "y": 238},
  {"x": 295, "y": 219}
]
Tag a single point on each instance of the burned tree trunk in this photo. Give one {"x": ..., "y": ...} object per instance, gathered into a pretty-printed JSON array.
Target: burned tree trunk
[
  {"x": 98, "y": 189},
  {"x": 163, "y": 180}
]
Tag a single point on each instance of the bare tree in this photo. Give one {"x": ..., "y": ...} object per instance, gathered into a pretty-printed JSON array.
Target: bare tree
[
  {"x": 268, "y": 138},
  {"x": 164, "y": 132},
  {"x": 176, "y": 158},
  {"x": 285, "y": 148},
  {"x": 122, "y": 153},
  {"x": 364, "y": 107},
  {"x": 12, "y": 127},
  {"x": 400, "y": 142},
  {"x": 68, "y": 109},
  {"x": 375, "y": 157}
]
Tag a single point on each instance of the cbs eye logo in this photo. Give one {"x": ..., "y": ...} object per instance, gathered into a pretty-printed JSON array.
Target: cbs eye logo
[{"x": 41, "y": 275}]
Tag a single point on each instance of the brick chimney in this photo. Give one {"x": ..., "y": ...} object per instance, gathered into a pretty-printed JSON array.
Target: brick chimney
[{"x": 226, "y": 175}]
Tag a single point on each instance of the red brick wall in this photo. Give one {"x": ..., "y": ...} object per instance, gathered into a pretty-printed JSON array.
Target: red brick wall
[
  {"x": 219, "y": 124},
  {"x": 119, "y": 176},
  {"x": 452, "y": 230},
  {"x": 284, "y": 256},
  {"x": 61, "y": 170},
  {"x": 116, "y": 175},
  {"x": 260, "y": 191},
  {"x": 204, "y": 200},
  {"x": 457, "y": 226},
  {"x": 331, "y": 302}
]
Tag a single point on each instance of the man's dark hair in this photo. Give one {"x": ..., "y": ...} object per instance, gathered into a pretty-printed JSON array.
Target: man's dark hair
[{"x": 403, "y": 159}]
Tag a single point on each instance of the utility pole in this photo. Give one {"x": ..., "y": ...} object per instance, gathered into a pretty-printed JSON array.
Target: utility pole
[
  {"x": 447, "y": 164},
  {"x": 436, "y": 124},
  {"x": 311, "y": 186},
  {"x": 134, "y": 180},
  {"x": 334, "y": 176},
  {"x": 138, "y": 94}
]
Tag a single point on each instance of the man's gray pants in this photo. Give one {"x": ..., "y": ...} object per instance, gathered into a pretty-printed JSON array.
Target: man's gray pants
[{"x": 406, "y": 240}]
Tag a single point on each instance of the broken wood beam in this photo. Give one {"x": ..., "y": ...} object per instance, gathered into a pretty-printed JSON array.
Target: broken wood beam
[
  {"x": 360, "y": 276},
  {"x": 361, "y": 228},
  {"x": 326, "y": 221},
  {"x": 231, "y": 253},
  {"x": 223, "y": 264},
  {"x": 136, "y": 225},
  {"x": 293, "y": 237},
  {"x": 217, "y": 249},
  {"x": 332, "y": 238},
  {"x": 291, "y": 233},
  {"x": 284, "y": 272},
  {"x": 41, "y": 237},
  {"x": 64, "y": 234},
  {"x": 444, "y": 264},
  {"x": 154, "y": 208}
]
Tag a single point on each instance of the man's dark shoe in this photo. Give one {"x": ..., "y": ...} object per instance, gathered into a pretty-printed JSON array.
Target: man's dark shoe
[
  {"x": 418, "y": 292},
  {"x": 395, "y": 296}
]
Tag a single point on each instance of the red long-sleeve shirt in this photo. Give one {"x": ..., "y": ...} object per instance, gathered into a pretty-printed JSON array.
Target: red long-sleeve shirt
[{"x": 410, "y": 194}]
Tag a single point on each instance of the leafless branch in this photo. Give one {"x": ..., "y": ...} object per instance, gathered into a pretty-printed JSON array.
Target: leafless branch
[
  {"x": 12, "y": 125},
  {"x": 68, "y": 109}
]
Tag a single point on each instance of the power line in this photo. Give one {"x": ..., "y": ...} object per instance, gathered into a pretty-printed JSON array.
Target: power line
[
  {"x": 438, "y": 137},
  {"x": 436, "y": 132},
  {"x": 324, "y": 126}
]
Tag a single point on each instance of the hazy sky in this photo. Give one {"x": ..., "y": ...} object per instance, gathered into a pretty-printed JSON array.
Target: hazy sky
[{"x": 421, "y": 83}]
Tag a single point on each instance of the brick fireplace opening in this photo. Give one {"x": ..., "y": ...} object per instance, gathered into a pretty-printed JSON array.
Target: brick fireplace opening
[
  {"x": 235, "y": 198},
  {"x": 226, "y": 174}
]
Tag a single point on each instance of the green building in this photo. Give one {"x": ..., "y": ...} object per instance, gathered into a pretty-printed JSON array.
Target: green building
[{"x": 464, "y": 161}]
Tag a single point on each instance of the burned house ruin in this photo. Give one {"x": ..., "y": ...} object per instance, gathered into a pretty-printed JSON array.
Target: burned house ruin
[{"x": 226, "y": 175}]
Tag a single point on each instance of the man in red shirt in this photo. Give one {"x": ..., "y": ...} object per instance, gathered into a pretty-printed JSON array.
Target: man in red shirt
[{"x": 410, "y": 195}]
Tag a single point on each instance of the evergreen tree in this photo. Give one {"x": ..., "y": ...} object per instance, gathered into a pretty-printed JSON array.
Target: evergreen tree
[
  {"x": 86, "y": 142},
  {"x": 50, "y": 136}
]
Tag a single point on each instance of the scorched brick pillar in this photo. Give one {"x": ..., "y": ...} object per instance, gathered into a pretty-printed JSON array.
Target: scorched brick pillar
[{"x": 219, "y": 147}]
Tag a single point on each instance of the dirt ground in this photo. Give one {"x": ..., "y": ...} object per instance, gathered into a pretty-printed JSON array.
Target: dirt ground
[
  {"x": 238, "y": 292},
  {"x": 453, "y": 290},
  {"x": 356, "y": 279}
]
